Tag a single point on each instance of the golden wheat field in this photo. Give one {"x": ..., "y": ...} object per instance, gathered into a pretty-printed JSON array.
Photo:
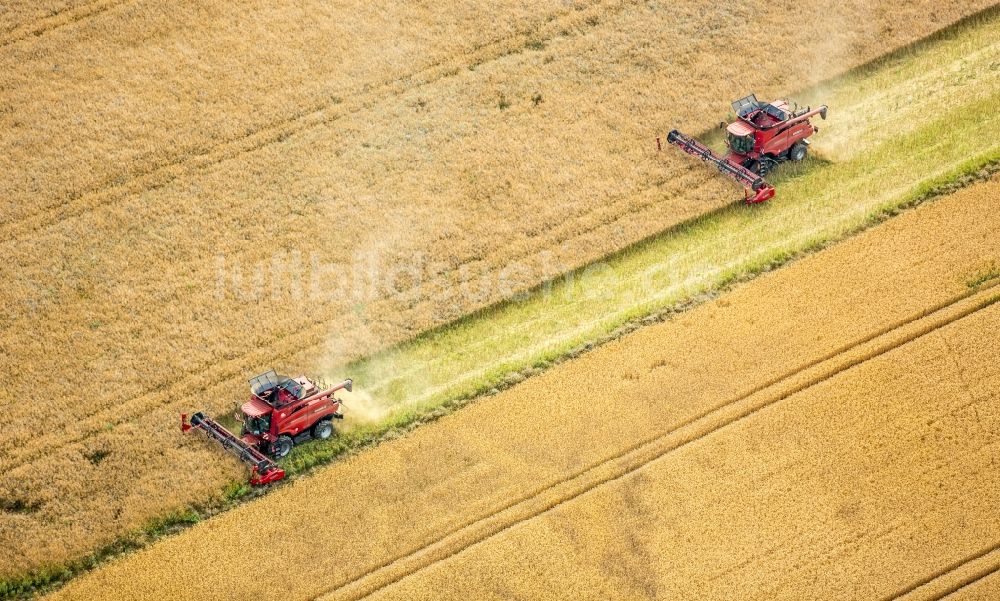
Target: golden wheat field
[
  {"x": 193, "y": 193},
  {"x": 859, "y": 486},
  {"x": 824, "y": 431}
]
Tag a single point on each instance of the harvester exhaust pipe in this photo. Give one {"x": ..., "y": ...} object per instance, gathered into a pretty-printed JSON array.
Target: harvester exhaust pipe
[
  {"x": 347, "y": 385},
  {"x": 809, "y": 113}
]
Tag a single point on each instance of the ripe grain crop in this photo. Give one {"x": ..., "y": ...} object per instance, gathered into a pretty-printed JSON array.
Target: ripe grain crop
[
  {"x": 221, "y": 75},
  {"x": 120, "y": 219},
  {"x": 455, "y": 476},
  {"x": 20, "y": 20},
  {"x": 216, "y": 74},
  {"x": 856, "y": 487}
]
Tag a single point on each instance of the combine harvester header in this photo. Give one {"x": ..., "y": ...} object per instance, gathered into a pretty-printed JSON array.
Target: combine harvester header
[
  {"x": 262, "y": 469},
  {"x": 750, "y": 180}
]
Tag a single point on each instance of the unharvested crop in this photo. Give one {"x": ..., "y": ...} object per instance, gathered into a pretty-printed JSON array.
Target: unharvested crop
[
  {"x": 218, "y": 139},
  {"x": 397, "y": 505},
  {"x": 861, "y": 486}
]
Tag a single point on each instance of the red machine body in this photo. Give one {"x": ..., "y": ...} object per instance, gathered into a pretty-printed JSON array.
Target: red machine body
[
  {"x": 280, "y": 413},
  {"x": 763, "y": 135}
]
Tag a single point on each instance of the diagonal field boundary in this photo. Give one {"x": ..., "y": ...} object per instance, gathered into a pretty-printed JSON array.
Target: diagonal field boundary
[
  {"x": 552, "y": 495},
  {"x": 989, "y": 558},
  {"x": 168, "y": 395},
  {"x": 59, "y": 19},
  {"x": 159, "y": 175}
]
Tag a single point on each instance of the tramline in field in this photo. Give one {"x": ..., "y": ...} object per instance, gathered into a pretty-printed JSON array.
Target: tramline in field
[
  {"x": 763, "y": 135},
  {"x": 280, "y": 413}
]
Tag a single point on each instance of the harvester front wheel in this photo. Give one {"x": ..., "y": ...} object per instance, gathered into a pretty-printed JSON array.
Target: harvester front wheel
[
  {"x": 798, "y": 152},
  {"x": 282, "y": 446},
  {"x": 322, "y": 430}
]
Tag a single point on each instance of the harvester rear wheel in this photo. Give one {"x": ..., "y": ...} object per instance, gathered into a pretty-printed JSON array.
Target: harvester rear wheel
[
  {"x": 322, "y": 430},
  {"x": 282, "y": 446},
  {"x": 798, "y": 152}
]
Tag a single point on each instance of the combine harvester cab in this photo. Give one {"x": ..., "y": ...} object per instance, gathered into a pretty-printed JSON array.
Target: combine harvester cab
[
  {"x": 763, "y": 135},
  {"x": 280, "y": 413}
]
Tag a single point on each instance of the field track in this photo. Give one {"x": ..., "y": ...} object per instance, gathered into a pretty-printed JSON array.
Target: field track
[
  {"x": 450, "y": 485},
  {"x": 984, "y": 586},
  {"x": 958, "y": 580},
  {"x": 57, "y": 18}
]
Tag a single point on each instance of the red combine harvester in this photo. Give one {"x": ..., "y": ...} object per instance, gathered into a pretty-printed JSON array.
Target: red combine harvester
[
  {"x": 762, "y": 136},
  {"x": 281, "y": 412}
]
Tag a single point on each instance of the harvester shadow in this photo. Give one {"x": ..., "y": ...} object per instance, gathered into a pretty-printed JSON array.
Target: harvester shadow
[{"x": 785, "y": 172}]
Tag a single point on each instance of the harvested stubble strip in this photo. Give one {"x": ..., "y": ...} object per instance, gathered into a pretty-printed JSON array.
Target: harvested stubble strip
[
  {"x": 139, "y": 308},
  {"x": 851, "y": 489},
  {"x": 405, "y": 494}
]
